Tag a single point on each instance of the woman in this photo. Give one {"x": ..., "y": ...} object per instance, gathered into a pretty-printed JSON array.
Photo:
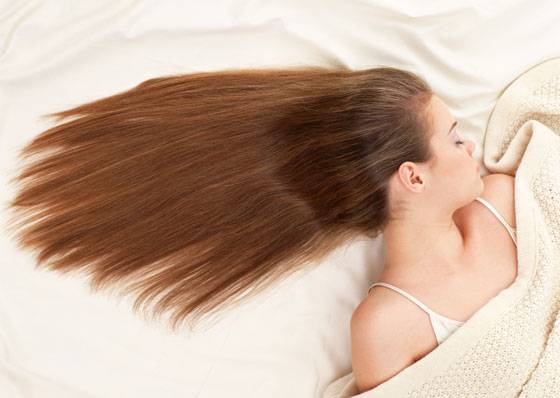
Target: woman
[
  {"x": 445, "y": 253},
  {"x": 192, "y": 190}
]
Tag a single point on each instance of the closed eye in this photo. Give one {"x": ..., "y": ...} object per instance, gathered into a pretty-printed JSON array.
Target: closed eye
[{"x": 459, "y": 140}]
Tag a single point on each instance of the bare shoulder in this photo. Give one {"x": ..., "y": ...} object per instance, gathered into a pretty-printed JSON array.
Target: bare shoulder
[
  {"x": 499, "y": 190},
  {"x": 382, "y": 340}
]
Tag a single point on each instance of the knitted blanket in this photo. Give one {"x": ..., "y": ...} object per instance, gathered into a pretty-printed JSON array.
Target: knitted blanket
[{"x": 511, "y": 346}]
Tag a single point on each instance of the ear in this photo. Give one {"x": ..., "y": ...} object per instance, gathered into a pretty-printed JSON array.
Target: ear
[{"x": 411, "y": 176}]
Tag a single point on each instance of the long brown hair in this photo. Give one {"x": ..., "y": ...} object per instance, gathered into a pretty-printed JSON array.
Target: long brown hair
[{"x": 191, "y": 190}]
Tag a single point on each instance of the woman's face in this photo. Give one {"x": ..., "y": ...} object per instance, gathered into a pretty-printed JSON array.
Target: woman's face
[
  {"x": 453, "y": 165},
  {"x": 451, "y": 178}
]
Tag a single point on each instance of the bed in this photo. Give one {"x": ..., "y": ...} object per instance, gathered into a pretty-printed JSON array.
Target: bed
[{"x": 57, "y": 339}]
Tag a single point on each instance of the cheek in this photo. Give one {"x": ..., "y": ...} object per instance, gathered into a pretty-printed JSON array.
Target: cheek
[
  {"x": 469, "y": 164},
  {"x": 453, "y": 163},
  {"x": 455, "y": 167}
]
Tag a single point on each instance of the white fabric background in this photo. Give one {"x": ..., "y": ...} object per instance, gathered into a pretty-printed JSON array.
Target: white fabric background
[{"x": 59, "y": 340}]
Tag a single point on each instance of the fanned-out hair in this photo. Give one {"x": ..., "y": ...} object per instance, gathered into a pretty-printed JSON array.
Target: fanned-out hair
[{"x": 191, "y": 190}]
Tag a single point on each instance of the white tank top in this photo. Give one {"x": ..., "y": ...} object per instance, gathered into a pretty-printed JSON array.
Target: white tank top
[{"x": 443, "y": 326}]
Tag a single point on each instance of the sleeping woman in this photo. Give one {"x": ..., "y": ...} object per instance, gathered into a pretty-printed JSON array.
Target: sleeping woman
[
  {"x": 449, "y": 248},
  {"x": 189, "y": 191}
]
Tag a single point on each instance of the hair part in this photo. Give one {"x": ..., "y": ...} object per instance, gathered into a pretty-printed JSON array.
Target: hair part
[{"x": 191, "y": 190}]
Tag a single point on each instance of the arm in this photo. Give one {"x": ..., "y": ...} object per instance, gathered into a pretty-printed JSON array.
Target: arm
[{"x": 381, "y": 346}]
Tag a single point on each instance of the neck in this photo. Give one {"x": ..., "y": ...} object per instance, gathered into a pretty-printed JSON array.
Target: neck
[{"x": 418, "y": 249}]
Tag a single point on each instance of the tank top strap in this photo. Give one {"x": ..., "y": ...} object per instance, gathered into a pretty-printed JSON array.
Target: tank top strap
[
  {"x": 407, "y": 295},
  {"x": 509, "y": 228},
  {"x": 434, "y": 316}
]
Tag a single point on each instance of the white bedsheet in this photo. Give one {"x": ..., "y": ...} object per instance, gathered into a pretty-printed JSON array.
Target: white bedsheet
[{"x": 59, "y": 340}]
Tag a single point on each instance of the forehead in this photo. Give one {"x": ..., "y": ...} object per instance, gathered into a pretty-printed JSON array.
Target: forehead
[{"x": 441, "y": 117}]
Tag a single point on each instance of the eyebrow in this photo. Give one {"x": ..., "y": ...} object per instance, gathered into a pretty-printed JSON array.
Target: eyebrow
[{"x": 453, "y": 125}]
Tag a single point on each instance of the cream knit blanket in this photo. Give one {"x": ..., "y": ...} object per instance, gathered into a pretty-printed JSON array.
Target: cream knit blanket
[{"x": 511, "y": 346}]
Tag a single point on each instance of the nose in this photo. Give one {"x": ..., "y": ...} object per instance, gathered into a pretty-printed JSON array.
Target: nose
[{"x": 471, "y": 146}]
